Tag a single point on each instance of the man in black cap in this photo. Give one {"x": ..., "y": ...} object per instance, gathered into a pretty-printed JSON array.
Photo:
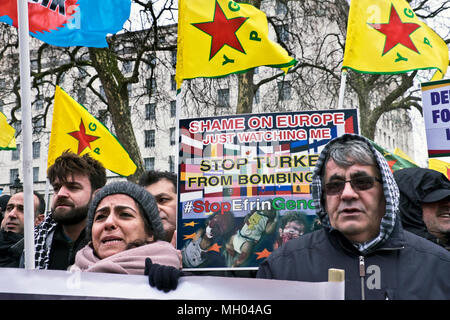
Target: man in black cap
[{"x": 425, "y": 203}]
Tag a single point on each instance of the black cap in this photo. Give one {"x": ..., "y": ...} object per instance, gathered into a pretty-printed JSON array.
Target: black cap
[
  {"x": 436, "y": 195},
  {"x": 438, "y": 187}
]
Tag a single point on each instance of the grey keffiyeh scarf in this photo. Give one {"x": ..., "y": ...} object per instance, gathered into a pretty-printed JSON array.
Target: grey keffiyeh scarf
[
  {"x": 42, "y": 242},
  {"x": 390, "y": 189}
]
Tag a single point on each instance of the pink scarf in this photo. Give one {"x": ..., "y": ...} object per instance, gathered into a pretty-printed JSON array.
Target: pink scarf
[{"x": 131, "y": 261}]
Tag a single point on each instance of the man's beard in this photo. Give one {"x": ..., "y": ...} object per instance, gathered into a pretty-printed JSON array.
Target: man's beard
[{"x": 72, "y": 217}]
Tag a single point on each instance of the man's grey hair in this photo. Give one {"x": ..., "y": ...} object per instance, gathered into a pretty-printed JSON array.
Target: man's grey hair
[{"x": 347, "y": 153}]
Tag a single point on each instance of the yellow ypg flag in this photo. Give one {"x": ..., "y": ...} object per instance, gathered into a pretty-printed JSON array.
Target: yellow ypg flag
[
  {"x": 7, "y": 134},
  {"x": 399, "y": 152},
  {"x": 385, "y": 36},
  {"x": 439, "y": 165},
  {"x": 220, "y": 37},
  {"x": 74, "y": 128}
]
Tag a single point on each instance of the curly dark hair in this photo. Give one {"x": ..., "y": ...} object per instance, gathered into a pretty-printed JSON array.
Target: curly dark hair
[{"x": 69, "y": 163}]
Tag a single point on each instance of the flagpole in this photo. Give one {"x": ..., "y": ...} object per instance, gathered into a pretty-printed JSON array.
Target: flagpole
[
  {"x": 47, "y": 196},
  {"x": 177, "y": 149},
  {"x": 177, "y": 129},
  {"x": 342, "y": 88},
  {"x": 25, "y": 83}
]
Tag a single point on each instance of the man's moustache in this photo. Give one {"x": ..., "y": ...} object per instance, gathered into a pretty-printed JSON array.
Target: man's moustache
[{"x": 63, "y": 203}]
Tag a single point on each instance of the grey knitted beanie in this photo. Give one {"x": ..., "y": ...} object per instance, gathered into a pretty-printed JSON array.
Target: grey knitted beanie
[{"x": 138, "y": 193}]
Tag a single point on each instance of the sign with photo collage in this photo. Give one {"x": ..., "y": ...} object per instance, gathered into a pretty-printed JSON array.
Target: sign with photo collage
[{"x": 244, "y": 183}]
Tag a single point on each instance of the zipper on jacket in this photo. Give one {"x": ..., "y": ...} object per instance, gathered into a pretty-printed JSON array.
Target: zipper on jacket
[{"x": 362, "y": 274}]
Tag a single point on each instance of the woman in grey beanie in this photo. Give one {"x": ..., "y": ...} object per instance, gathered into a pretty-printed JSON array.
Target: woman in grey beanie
[{"x": 124, "y": 229}]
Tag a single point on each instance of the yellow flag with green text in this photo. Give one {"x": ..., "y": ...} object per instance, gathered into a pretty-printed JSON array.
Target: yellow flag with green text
[
  {"x": 220, "y": 37},
  {"x": 386, "y": 36},
  {"x": 74, "y": 128},
  {"x": 7, "y": 134},
  {"x": 441, "y": 166}
]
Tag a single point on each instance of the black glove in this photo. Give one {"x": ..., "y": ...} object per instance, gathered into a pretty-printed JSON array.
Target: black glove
[{"x": 162, "y": 277}]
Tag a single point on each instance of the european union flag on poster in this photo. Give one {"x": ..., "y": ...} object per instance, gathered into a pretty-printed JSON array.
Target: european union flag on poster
[{"x": 67, "y": 23}]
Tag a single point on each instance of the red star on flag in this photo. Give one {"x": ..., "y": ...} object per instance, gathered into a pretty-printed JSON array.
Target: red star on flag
[
  {"x": 391, "y": 164},
  {"x": 222, "y": 31},
  {"x": 396, "y": 32},
  {"x": 84, "y": 139}
]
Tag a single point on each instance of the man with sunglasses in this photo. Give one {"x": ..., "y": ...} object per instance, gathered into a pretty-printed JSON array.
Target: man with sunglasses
[{"x": 357, "y": 200}]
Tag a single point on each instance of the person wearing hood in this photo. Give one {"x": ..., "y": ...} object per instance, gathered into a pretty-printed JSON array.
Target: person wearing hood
[
  {"x": 425, "y": 203},
  {"x": 125, "y": 235},
  {"x": 357, "y": 201}
]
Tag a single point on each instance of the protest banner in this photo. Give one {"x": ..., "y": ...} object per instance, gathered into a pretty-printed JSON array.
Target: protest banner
[
  {"x": 73, "y": 285},
  {"x": 436, "y": 113},
  {"x": 243, "y": 179}
]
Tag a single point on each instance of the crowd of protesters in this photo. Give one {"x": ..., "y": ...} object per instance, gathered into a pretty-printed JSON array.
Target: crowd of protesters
[{"x": 389, "y": 232}]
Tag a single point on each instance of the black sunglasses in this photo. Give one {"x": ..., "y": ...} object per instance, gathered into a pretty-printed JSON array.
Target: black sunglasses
[{"x": 357, "y": 183}]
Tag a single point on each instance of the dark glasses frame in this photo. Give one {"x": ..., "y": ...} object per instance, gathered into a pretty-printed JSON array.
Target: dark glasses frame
[{"x": 360, "y": 183}]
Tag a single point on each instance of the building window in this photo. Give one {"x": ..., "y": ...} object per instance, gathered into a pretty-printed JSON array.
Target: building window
[
  {"x": 151, "y": 85},
  {"x": 174, "y": 58},
  {"x": 173, "y": 83},
  {"x": 15, "y": 154},
  {"x": 35, "y": 174},
  {"x": 283, "y": 32},
  {"x": 82, "y": 73},
  {"x": 38, "y": 124},
  {"x": 127, "y": 66},
  {"x": 171, "y": 164},
  {"x": 18, "y": 127},
  {"x": 150, "y": 111},
  {"x": 173, "y": 109},
  {"x": 256, "y": 97},
  {"x": 281, "y": 8},
  {"x": 39, "y": 104},
  {"x": 152, "y": 60},
  {"x": 102, "y": 116},
  {"x": 172, "y": 136},
  {"x": 61, "y": 78},
  {"x": 284, "y": 90},
  {"x": 149, "y": 164},
  {"x": 102, "y": 92},
  {"x": 81, "y": 95},
  {"x": 13, "y": 174},
  {"x": 223, "y": 96},
  {"x": 34, "y": 64},
  {"x": 36, "y": 149},
  {"x": 130, "y": 89},
  {"x": 149, "y": 138}
]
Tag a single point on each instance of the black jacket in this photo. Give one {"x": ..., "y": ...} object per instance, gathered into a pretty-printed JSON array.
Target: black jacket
[
  {"x": 414, "y": 184},
  {"x": 11, "y": 246},
  {"x": 404, "y": 267},
  {"x": 395, "y": 265}
]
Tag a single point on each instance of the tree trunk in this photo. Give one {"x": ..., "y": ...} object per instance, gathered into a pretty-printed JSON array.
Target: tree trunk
[
  {"x": 245, "y": 80},
  {"x": 116, "y": 92},
  {"x": 245, "y": 94}
]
